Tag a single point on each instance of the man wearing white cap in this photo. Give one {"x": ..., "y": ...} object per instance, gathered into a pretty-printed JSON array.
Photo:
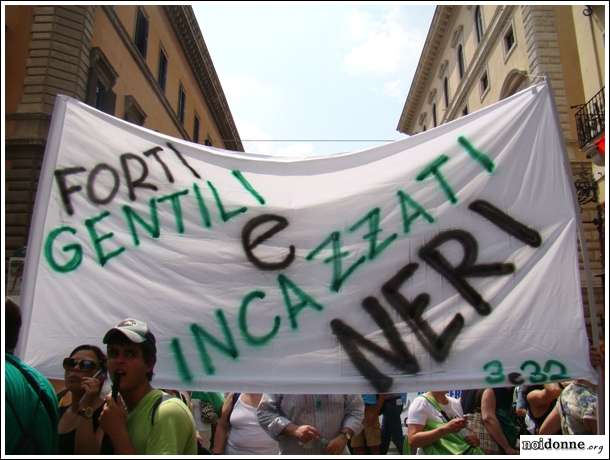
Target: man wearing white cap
[{"x": 142, "y": 420}]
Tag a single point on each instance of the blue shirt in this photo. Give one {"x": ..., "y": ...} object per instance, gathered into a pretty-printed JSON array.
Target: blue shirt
[{"x": 369, "y": 400}]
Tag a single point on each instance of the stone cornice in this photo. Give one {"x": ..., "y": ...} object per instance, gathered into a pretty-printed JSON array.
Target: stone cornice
[
  {"x": 187, "y": 30},
  {"x": 436, "y": 33}
]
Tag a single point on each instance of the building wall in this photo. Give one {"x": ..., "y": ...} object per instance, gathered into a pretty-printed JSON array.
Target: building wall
[
  {"x": 558, "y": 41},
  {"x": 476, "y": 98},
  {"x": 50, "y": 53},
  {"x": 478, "y": 58},
  {"x": 55, "y": 43},
  {"x": 545, "y": 43},
  {"x": 498, "y": 62},
  {"x": 160, "y": 35},
  {"x": 18, "y": 29},
  {"x": 589, "y": 36},
  {"x": 589, "y": 31}
]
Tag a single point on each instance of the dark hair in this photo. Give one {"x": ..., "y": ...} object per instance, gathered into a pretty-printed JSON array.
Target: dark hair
[
  {"x": 101, "y": 357},
  {"x": 148, "y": 347},
  {"x": 12, "y": 325}
]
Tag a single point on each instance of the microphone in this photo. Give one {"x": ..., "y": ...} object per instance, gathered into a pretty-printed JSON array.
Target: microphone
[{"x": 116, "y": 381}]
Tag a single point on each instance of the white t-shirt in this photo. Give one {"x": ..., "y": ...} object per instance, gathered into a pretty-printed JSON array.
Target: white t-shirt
[
  {"x": 246, "y": 437},
  {"x": 420, "y": 411}
]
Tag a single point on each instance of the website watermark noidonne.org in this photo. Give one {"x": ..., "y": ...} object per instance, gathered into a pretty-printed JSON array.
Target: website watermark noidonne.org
[{"x": 593, "y": 445}]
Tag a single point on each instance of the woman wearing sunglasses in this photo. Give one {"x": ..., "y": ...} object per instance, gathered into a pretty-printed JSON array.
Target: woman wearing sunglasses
[{"x": 79, "y": 432}]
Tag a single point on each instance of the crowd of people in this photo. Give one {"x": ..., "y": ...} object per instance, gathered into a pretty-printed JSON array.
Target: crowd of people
[{"x": 109, "y": 406}]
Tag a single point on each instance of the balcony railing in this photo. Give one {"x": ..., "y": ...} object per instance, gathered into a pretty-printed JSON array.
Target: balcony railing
[{"x": 590, "y": 118}]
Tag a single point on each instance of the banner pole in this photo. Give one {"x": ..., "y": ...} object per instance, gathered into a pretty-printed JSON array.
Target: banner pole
[
  {"x": 601, "y": 403},
  {"x": 35, "y": 236}
]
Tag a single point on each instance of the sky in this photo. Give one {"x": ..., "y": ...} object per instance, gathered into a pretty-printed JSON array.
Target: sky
[{"x": 314, "y": 72}]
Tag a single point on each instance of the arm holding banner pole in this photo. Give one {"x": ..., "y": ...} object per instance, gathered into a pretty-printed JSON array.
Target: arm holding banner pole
[{"x": 601, "y": 416}]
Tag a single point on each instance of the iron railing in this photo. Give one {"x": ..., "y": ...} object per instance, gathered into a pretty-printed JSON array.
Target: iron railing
[{"x": 590, "y": 118}]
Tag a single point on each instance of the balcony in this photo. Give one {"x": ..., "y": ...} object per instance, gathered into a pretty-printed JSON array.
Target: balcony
[{"x": 590, "y": 119}]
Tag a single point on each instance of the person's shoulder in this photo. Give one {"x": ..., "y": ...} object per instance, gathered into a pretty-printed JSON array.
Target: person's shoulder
[
  {"x": 419, "y": 403},
  {"x": 42, "y": 380},
  {"x": 419, "y": 411},
  {"x": 173, "y": 406},
  {"x": 13, "y": 378},
  {"x": 275, "y": 398},
  {"x": 13, "y": 363},
  {"x": 15, "y": 368},
  {"x": 10, "y": 368}
]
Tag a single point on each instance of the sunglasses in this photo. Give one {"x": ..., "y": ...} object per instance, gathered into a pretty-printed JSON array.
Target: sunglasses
[{"x": 82, "y": 364}]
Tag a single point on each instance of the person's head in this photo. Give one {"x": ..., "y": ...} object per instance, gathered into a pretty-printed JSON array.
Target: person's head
[
  {"x": 84, "y": 361},
  {"x": 132, "y": 352},
  {"x": 12, "y": 325},
  {"x": 440, "y": 395}
]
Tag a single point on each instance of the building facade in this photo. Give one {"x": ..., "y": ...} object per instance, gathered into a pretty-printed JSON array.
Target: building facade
[
  {"x": 145, "y": 64},
  {"x": 477, "y": 55}
]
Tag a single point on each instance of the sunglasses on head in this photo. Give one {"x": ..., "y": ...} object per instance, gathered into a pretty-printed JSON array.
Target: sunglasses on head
[{"x": 82, "y": 364}]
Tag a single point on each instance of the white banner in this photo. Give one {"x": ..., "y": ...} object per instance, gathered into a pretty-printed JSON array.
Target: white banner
[{"x": 444, "y": 261}]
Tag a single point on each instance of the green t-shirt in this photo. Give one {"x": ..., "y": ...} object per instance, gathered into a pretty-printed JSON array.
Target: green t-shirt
[
  {"x": 32, "y": 415},
  {"x": 173, "y": 430}
]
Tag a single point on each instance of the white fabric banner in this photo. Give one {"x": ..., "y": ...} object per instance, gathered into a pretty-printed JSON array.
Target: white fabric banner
[{"x": 444, "y": 261}]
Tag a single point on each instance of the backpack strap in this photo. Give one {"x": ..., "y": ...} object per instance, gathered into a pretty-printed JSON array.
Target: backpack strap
[
  {"x": 48, "y": 405},
  {"x": 161, "y": 399},
  {"x": 437, "y": 406}
]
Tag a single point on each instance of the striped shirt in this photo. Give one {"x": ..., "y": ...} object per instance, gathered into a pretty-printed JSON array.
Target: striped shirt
[{"x": 328, "y": 413}]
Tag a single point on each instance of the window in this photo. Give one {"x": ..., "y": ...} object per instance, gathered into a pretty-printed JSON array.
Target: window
[
  {"x": 196, "y": 129},
  {"x": 162, "y": 71},
  {"x": 484, "y": 81},
  {"x": 442, "y": 68},
  {"x": 141, "y": 37},
  {"x": 509, "y": 39},
  {"x": 446, "y": 92},
  {"x": 101, "y": 93},
  {"x": 460, "y": 59},
  {"x": 478, "y": 23},
  {"x": 181, "y": 103},
  {"x": 434, "y": 114},
  {"x": 102, "y": 78},
  {"x": 133, "y": 112}
]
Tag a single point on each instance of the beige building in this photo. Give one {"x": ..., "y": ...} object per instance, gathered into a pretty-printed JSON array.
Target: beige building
[
  {"x": 146, "y": 64},
  {"x": 477, "y": 55}
]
